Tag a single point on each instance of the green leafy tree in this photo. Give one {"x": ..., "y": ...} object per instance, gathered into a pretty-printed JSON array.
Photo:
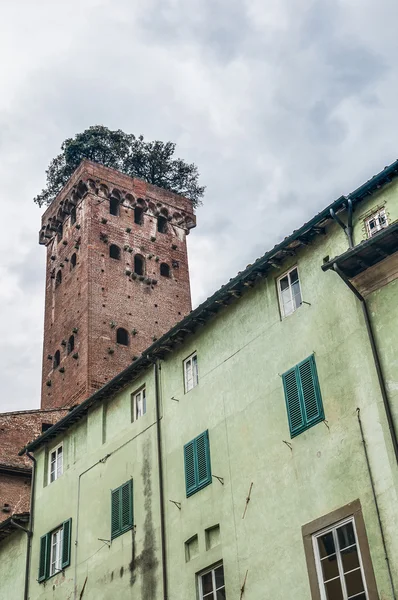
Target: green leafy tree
[{"x": 152, "y": 161}]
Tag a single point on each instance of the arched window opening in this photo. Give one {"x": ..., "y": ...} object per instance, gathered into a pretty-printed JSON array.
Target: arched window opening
[
  {"x": 58, "y": 278},
  {"x": 165, "y": 270},
  {"x": 122, "y": 336},
  {"x": 57, "y": 359},
  {"x": 71, "y": 344},
  {"x": 73, "y": 216},
  {"x": 60, "y": 232},
  {"x": 114, "y": 252},
  {"x": 138, "y": 215},
  {"x": 162, "y": 224},
  {"x": 114, "y": 207},
  {"x": 73, "y": 260},
  {"x": 139, "y": 264}
]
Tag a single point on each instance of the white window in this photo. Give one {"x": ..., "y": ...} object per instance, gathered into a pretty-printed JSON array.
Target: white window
[
  {"x": 289, "y": 292},
  {"x": 56, "y": 464},
  {"x": 376, "y": 222},
  {"x": 191, "y": 372},
  {"x": 339, "y": 563},
  {"x": 211, "y": 584},
  {"x": 139, "y": 404},
  {"x": 56, "y": 551}
]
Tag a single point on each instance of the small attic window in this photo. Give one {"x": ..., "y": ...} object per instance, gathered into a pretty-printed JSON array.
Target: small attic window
[
  {"x": 57, "y": 359},
  {"x": 71, "y": 344},
  {"x": 122, "y": 336},
  {"x": 58, "y": 278},
  {"x": 45, "y": 426},
  {"x": 376, "y": 222},
  {"x": 162, "y": 224},
  {"x": 139, "y": 264},
  {"x": 165, "y": 270},
  {"x": 73, "y": 260},
  {"x": 114, "y": 251},
  {"x": 138, "y": 215},
  {"x": 114, "y": 206}
]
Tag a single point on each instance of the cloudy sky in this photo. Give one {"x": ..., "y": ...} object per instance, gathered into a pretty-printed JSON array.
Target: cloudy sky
[{"x": 283, "y": 104}]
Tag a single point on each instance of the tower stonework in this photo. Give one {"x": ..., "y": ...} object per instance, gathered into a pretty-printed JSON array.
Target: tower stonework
[{"x": 116, "y": 278}]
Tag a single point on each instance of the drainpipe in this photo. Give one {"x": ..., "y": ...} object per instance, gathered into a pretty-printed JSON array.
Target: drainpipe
[
  {"x": 161, "y": 491},
  {"x": 346, "y": 228},
  {"x": 376, "y": 359},
  {"x": 31, "y": 521}
]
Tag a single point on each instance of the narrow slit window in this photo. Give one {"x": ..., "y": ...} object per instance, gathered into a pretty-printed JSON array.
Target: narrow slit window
[
  {"x": 122, "y": 336},
  {"x": 139, "y": 264},
  {"x": 165, "y": 270},
  {"x": 73, "y": 216},
  {"x": 55, "y": 464},
  {"x": 376, "y": 222},
  {"x": 58, "y": 278},
  {"x": 57, "y": 359},
  {"x": 114, "y": 251},
  {"x": 138, "y": 215},
  {"x": 191, "y": 374},
  {"x": 289, "y": 292},
  {"x": 114, "y": 206},
  {"x": 73, "y": 261},
  {"x": 162, "y": 224},
  {"x": 60, "y": 232},
  {"x": 71, "y": 344}
]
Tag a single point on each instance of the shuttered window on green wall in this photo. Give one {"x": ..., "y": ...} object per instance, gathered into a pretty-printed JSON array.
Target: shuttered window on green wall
[
  {"x": 303, "y": 396},
  {"x": 197, "y": 463},
  {"x": 122, "y": 509},
  {"x": 45, "y": 551}
]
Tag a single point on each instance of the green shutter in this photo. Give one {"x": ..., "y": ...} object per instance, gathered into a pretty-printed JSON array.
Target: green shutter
[
  {"x": 66, "y": 546},
  {"x": 43, "y": 557},
  {"x": 197, "y": 463},
  {"x": 115, "y": 513},
  {"x": 293, "y": 402},
  {"x": 126, "y": 506},
  {"x": 189, "y": 461},
  {"x": 303, "y": 396}
]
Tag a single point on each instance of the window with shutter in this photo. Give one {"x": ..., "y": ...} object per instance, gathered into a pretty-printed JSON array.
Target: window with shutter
[
  {"x": 67, "y": 527},
  {"x": 55, "y": 551},
  {"x": 197, "y": 463},
  {"x": 43, "y": 558},
  {"x": 122, "y": 509},
  {"x": 303, "y": 396}
]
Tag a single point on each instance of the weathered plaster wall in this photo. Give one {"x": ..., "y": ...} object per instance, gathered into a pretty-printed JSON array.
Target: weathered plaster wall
[{"x": 12, "y": 566}]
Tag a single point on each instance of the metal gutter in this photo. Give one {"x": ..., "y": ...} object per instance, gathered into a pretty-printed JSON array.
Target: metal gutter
[{"x": 222, "y": 297}]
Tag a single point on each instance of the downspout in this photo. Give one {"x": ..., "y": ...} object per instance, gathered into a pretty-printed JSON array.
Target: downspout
[
  {"x": 376, "y": 359},
  {"x": 346, "y": 228},
  {"x": 161, "y": 490},
  {"x": 383, "y": 540},
  {"x": 31, "y": 521}
]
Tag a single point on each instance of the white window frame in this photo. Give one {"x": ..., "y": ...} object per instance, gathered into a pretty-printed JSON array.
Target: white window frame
[
  {"x": 212, "y": 571},
  {"x": 281, "y": 305},
  {"x": 333, "y": 529},
  {"x": 57, "y": 537},
  {"x": 376, "y": 216},
  {"x": 59, "y": 467},
  {"x": 139, "y": 403},
  {"x": 192, "y": 382}
]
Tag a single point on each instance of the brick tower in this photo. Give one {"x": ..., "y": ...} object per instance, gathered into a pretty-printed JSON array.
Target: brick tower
[{"x": 117, "y": 278}]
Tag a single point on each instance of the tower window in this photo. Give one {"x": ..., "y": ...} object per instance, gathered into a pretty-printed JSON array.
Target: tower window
[
  {"x": 122, "y": 336},
  {"x": 58, "y": 278},
  {"x": 71, "y": 344},
  {"x": 114, "y": 252},
  {"x": 60, "y": 232},
  {"x": 57, "y": 359},
  {"x": 73, "y": 261},
  {"x": 73, "y": 216},
  {"x": 139, "y": 264},
  {"x": 138, "y": 215},
  {"x": 165, "y": 270},
  {"x": 162, "y": 224},
  {"x": 114, "y": 207}
]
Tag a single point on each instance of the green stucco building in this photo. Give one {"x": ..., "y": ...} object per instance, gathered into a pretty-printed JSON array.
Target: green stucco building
[{"x": 250, "y": 452}]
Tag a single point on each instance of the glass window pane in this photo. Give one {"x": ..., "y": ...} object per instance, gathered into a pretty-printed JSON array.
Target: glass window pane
[
  {"x": 326, "y": 545},
  {"x": 296, "y": 292},
  {"x": 346, "y": 535},
  {"x": 221, "y": 594},
  {"x": 360, "y": 597},
  {"x": 219, "y": 576},
  {"x": 143, "y": 402},
  {"x": 330, "y": 568},
  {"x": 287, "y": 302},
  {"x": 293, "y": 276},
  {"x": 209, "y": 596},
  {"x": 207, "y": 583},
  {"x": 354, "y": 583},
  {"x": 284, "y": 283},
  {"x": 350, "y": 559},
  {"x": 333, "y": 590}
]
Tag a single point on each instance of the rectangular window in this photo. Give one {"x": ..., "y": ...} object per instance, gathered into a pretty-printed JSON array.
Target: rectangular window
[
  {"x": 197, "y": 463},
  {"x": 55, "y": 550},
  {"x": 302, "y": 396},
  {"x": 212, "y": 584},
  {"x": 139, "y": 404},
  {"x": 191, "y": 372},
  {"x": 55, "y": 464},
  {"x": 122, "y": 509},
  {"x": 339, "y": 563},
  {"x": 376, "y": 222},
  {"x": 289, "y": 292}
]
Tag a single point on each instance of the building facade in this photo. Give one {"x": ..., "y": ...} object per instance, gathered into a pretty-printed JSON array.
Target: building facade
[{"x": 251, "y": 451}]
